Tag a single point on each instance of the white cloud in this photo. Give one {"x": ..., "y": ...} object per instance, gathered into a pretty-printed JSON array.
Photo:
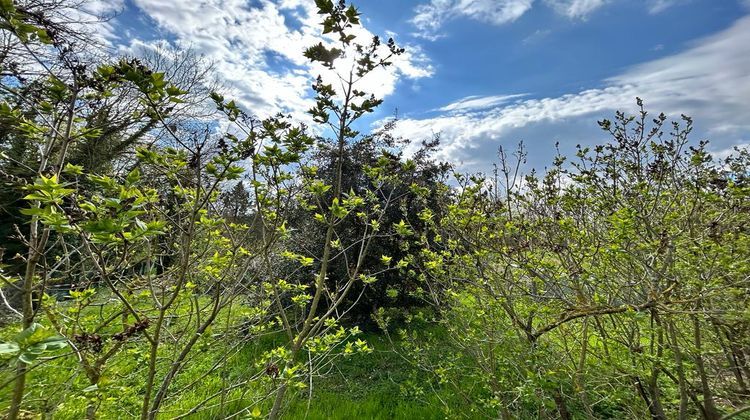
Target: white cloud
[
  {"x": 430, "y": 17},
  {"x": 576, "y": 9},
  {"x": 710, "y": 79},
  {"x": 692, "y": 82},
  {"x": 536, "y": 36},
  {"x": 473, "y": 103},
  {"x": 91, "y": 17},
  {"x": 103, "y": 7},
  {"x": 460, "y": 133},
  {"x": 658, "y": 6},
  {"x": 723, "y": 153},
  {"x": 257, "y": 48}
]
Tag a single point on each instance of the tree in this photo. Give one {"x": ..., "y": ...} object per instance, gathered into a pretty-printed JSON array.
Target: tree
[
  {"x": 310, "y": 324},
  {"x": 55, "y": 112},
  {"x": 115, "y": 123},
  {"x": 417, "y": 181},
  {"x": 236, "y": 204}
]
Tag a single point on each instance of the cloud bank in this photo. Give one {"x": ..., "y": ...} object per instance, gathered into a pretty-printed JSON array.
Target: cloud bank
[{"x": 709, "y": 81}]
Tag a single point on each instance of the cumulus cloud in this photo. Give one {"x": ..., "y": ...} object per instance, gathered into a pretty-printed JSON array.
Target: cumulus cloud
[
  {"x": 690, "y": 82},
  {"x": 257, "y": 48}
]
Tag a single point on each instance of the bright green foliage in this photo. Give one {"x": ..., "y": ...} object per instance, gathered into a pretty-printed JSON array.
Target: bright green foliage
[
  {"x": 183, "y": 272},
  {"x": 607, "y": 287},
  {"x": 31, "y": 343}
]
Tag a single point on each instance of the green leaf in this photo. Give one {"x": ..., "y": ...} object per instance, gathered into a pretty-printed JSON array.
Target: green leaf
[
  {"x": 36, "y": 348},
  {"x": 28, "y": 357},
  {"x": 175, "y": 91},
  {"x": 91, "y": 388},
  {"x": 337, "y": 210},
  {"x": 33, "y": 211},
  {"x": 55, "y": 342},
  {"x": 73, "y": 169},
  {"x": 352, "y": 15},
  {"x": 367, "y": 279},
  {"x": 6, "y": 6},
  {"x": 324, "y": 6},
  {"x": 133, "y": 177},
  {"x": 158, "y": 80},
  {"x": 402, "y": 228},
  {"x": 9, "y": 348},
  {"x": 27, "y": 333}
]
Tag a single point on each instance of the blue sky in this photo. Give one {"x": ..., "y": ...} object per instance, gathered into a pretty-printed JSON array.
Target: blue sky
[{"x": 482, "y": 73}]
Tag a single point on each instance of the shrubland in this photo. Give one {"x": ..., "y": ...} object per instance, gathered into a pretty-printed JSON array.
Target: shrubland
[{"x": 168, "y": 254}]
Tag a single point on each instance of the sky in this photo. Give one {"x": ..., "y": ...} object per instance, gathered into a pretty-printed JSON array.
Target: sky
[{"x": 479, "y": 73}]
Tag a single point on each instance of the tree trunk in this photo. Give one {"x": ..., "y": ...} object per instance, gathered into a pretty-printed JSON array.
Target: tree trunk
[
  {"x": 682, "y": 384},
  {"x": 277, "y": 402},
  {"x": 562, "y": 409},
  {"x": 709, "y": 408}
]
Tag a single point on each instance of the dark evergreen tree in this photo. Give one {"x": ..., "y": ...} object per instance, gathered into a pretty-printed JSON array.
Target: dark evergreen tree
[{"x": 419, "y": 187}]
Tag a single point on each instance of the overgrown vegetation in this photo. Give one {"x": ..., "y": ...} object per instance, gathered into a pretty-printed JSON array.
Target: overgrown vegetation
[{"x": 156, "y": 266}]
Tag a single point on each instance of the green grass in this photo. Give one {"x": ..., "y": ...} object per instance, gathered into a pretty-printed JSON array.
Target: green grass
[
  {"x": 379, "y": 385},
  {"x": 327, "y": 405},
  {"x": 376, "y": 385}
]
